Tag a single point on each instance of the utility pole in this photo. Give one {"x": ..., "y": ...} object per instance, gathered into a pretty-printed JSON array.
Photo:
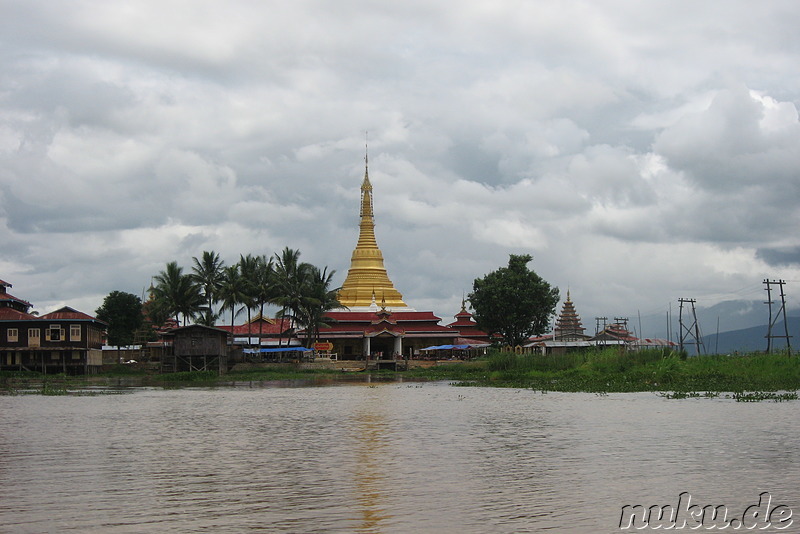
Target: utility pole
[
  {"x": 597, "y": 328},
  {"x": 693, "y": 329},
  {"x": 774, "y": 318}
]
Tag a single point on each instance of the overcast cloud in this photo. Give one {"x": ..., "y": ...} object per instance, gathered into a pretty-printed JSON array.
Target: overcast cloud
[{"x": 641, "y": 152}]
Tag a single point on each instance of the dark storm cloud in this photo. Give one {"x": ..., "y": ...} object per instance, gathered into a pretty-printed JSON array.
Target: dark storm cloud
[
  {"x": 780, "y": 257},
  {"x": 637, "y": 151}
]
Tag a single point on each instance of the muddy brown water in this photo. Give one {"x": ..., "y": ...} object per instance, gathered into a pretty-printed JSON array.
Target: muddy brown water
[{"x": 381, "y": 457}]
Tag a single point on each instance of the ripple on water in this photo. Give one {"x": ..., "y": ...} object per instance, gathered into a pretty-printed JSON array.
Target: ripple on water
[{"x": 378, "y": 459}]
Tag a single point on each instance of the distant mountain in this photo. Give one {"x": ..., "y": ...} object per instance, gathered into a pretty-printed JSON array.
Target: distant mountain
[
  {"x": 751, "y": 339},
  {"x": 730, "y": 316}
]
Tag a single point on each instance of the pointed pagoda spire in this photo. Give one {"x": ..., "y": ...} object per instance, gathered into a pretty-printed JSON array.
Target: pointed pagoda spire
[
  {"x": 568, "y": 325},
  {"x": 367, "y": 272}
]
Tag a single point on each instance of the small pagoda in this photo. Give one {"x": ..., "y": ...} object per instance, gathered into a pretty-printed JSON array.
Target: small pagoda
[{"x": 568, "y": 325}]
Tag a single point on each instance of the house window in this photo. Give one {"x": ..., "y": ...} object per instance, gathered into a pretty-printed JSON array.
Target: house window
[
  {"x": 34, "y": 337},
  {"x": 74, "y": 332},
  {"x": 13, "y": 335},
  {"x": 76, "y": 355},
  {"x": 54, "y": 333}
]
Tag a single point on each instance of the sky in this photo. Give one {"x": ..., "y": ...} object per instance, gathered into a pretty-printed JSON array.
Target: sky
[{"x": 641, "y": 152}]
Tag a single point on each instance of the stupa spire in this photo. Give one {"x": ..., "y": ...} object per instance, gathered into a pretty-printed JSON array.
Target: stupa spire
[{"x": 367, "y": 273}]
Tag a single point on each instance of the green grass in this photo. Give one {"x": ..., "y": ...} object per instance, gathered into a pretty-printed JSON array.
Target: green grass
[
  {"x": 612, "y": 370},
  {"x": 748, "y": 377}
]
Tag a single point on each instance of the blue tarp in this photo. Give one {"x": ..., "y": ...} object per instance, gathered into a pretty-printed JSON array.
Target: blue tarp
[{"x": 446, "y": 347}]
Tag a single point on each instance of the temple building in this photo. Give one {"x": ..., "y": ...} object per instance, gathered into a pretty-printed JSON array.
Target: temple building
[
  {"x": 568, "y": 333},
  {"x": 568, "y": 325},
  {"x": 375, "y": 322},
  {"x": 467, "y": 327}
]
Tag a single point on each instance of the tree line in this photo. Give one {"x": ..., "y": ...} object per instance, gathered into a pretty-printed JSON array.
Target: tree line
[
  {"x": 213, "y": 290},
  {"x": 511, "y": 303}
]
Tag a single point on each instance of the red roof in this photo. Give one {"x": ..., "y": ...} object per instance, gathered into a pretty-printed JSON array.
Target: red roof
[
  {"x": 267, "y": 326},
  {"x": 9, "y": 296},
  {"x": 11, "y": 314},
  {"x": 69, "y": 314},
  {"x": 414, "y": 324}
]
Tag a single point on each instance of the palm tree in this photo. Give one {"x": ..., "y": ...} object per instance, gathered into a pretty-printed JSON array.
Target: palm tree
[
  {"x": 265, "y": 287},
  {"x": 178, "y": 292},
  {"x": 287, "y": 282},
  {"x": 231, "y": 292},
  {"x": 318, "y": 298},
  {"x": 207, "y": 272},
  {"x": 207, "y": 317},
  {"x": 248, "y": 267}
]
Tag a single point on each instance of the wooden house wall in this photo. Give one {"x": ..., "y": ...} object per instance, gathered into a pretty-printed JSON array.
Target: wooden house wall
[
  {"x": 199, "y": 343},
  {"x": 91, "y": 336},
  {"x": 64, "y": 354}
]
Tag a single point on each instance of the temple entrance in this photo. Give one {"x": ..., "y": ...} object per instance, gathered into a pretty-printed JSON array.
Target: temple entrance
[{"x": 382, "y": 348}]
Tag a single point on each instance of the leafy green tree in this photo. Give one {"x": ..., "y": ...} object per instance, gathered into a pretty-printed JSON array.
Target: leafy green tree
[
  {"x": 123, "y": 313},
  {"x": 156, "y": 315},
  {"x": 513, "y": 301}
]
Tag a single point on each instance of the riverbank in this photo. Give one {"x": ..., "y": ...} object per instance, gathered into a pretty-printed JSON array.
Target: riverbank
[
  {"x": 610, "y": 370},
  {"x": 603, "y": 371}
]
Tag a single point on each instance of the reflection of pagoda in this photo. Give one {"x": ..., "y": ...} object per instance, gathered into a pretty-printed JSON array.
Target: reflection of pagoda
[{"x": 568, "y": 325}]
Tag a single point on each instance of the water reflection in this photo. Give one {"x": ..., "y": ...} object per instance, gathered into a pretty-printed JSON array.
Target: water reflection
[
  {"x": 372, "y": 452},
  {"x": 379, "y": 457}
]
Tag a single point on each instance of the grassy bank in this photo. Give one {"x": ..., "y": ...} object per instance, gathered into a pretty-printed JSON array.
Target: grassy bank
[
  {"x": 27, "y": 382},
  {"x": 610, "y": 370},
  {"x": 600, "y": 371}
]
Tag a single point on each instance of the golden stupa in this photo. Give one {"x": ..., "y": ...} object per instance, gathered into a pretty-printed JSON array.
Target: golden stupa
[{"x": 367, "y": 279}]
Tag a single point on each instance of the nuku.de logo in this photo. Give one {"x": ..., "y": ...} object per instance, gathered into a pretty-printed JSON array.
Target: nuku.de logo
[{"x": 686, "y": 515}]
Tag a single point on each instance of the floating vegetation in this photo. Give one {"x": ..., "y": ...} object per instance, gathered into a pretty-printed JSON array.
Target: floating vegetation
[
  {"x": 50, "y": 387},
  {"x": 688, "y": 394},
  {"x": 758, "y": 396}
]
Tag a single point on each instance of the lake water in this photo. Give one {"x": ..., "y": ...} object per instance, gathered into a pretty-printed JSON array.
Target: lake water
[{"x": 381, "y": 457}]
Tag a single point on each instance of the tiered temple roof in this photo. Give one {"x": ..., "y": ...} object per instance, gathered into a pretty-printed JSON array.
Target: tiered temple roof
[
  {"x": 568, "y": 325},
  {"x": 467, "y": 326}
]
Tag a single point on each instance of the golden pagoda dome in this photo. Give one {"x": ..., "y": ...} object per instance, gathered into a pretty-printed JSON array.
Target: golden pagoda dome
[{"x": 367, "y": 277}]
